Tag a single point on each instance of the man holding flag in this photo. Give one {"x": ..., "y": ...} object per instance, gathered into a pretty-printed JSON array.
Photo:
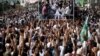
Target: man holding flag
[
  {"x": 85, "y": 35},
  {"x": 84, "y": 31}
]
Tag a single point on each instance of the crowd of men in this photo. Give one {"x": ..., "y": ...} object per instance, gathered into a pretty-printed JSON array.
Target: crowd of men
[
  {"x": 21, "y": 34},
  {"x": 56, "y": 9},
  {"x": 61, "y": 10}
]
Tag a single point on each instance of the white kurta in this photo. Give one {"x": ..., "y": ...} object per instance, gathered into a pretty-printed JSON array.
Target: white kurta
[{"x": 61, "y": 50}]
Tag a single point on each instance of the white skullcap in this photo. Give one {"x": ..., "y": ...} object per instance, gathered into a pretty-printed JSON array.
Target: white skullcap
[
  {"x": 27, "y": 44},
  {"x": 7, "y": 44},
  {"x": 37, "y": 28},
  {"x": 73, "y": 52},
  {"x": 16, "y": 29},
  {"x": 55, "y": 26},
  {"x": 12, "y": 53},
  {"x": 48, "y": 44},
  {"x": 74, "y": 31},
  {"x": 79, "y": 43}
]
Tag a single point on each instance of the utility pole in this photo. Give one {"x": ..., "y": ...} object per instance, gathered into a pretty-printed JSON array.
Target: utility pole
[
  {"x": 39, "y": 9},
  {"x": 73, "y": 10},
  {"x": 2, "y": 6}
]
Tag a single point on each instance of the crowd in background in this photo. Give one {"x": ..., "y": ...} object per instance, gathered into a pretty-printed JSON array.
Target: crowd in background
[
  {"x": 54, "y": 10},
  {"x": 61, "y": 10}
]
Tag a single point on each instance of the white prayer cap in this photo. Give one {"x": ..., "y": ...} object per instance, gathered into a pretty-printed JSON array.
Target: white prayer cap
[
  {"x": 16, "y": 29},
  {"x": 37, "y": 28},
  {"x": 48, "y": 44},
  {"x": 55, "y": 26},
  {"x": 79, "y": 43},
  {"x": 12, "y": 53},
  {"x": 27, "y": 44},
  {"x": 7, "y": 44},
  {"x": 73, "y": 52},
  {"x": 74, "y": 31}
]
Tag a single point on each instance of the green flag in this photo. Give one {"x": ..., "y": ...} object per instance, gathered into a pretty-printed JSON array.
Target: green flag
[
  {"x": 81, "y": 2},
  {"x": 84, "y": 31}
]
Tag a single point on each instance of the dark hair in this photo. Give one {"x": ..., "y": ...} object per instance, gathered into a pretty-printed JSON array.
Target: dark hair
[
  {"x": 12, "y": 36},
  {"x": 85, "y": 38},
  {"x": 21, "y": 30}
]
